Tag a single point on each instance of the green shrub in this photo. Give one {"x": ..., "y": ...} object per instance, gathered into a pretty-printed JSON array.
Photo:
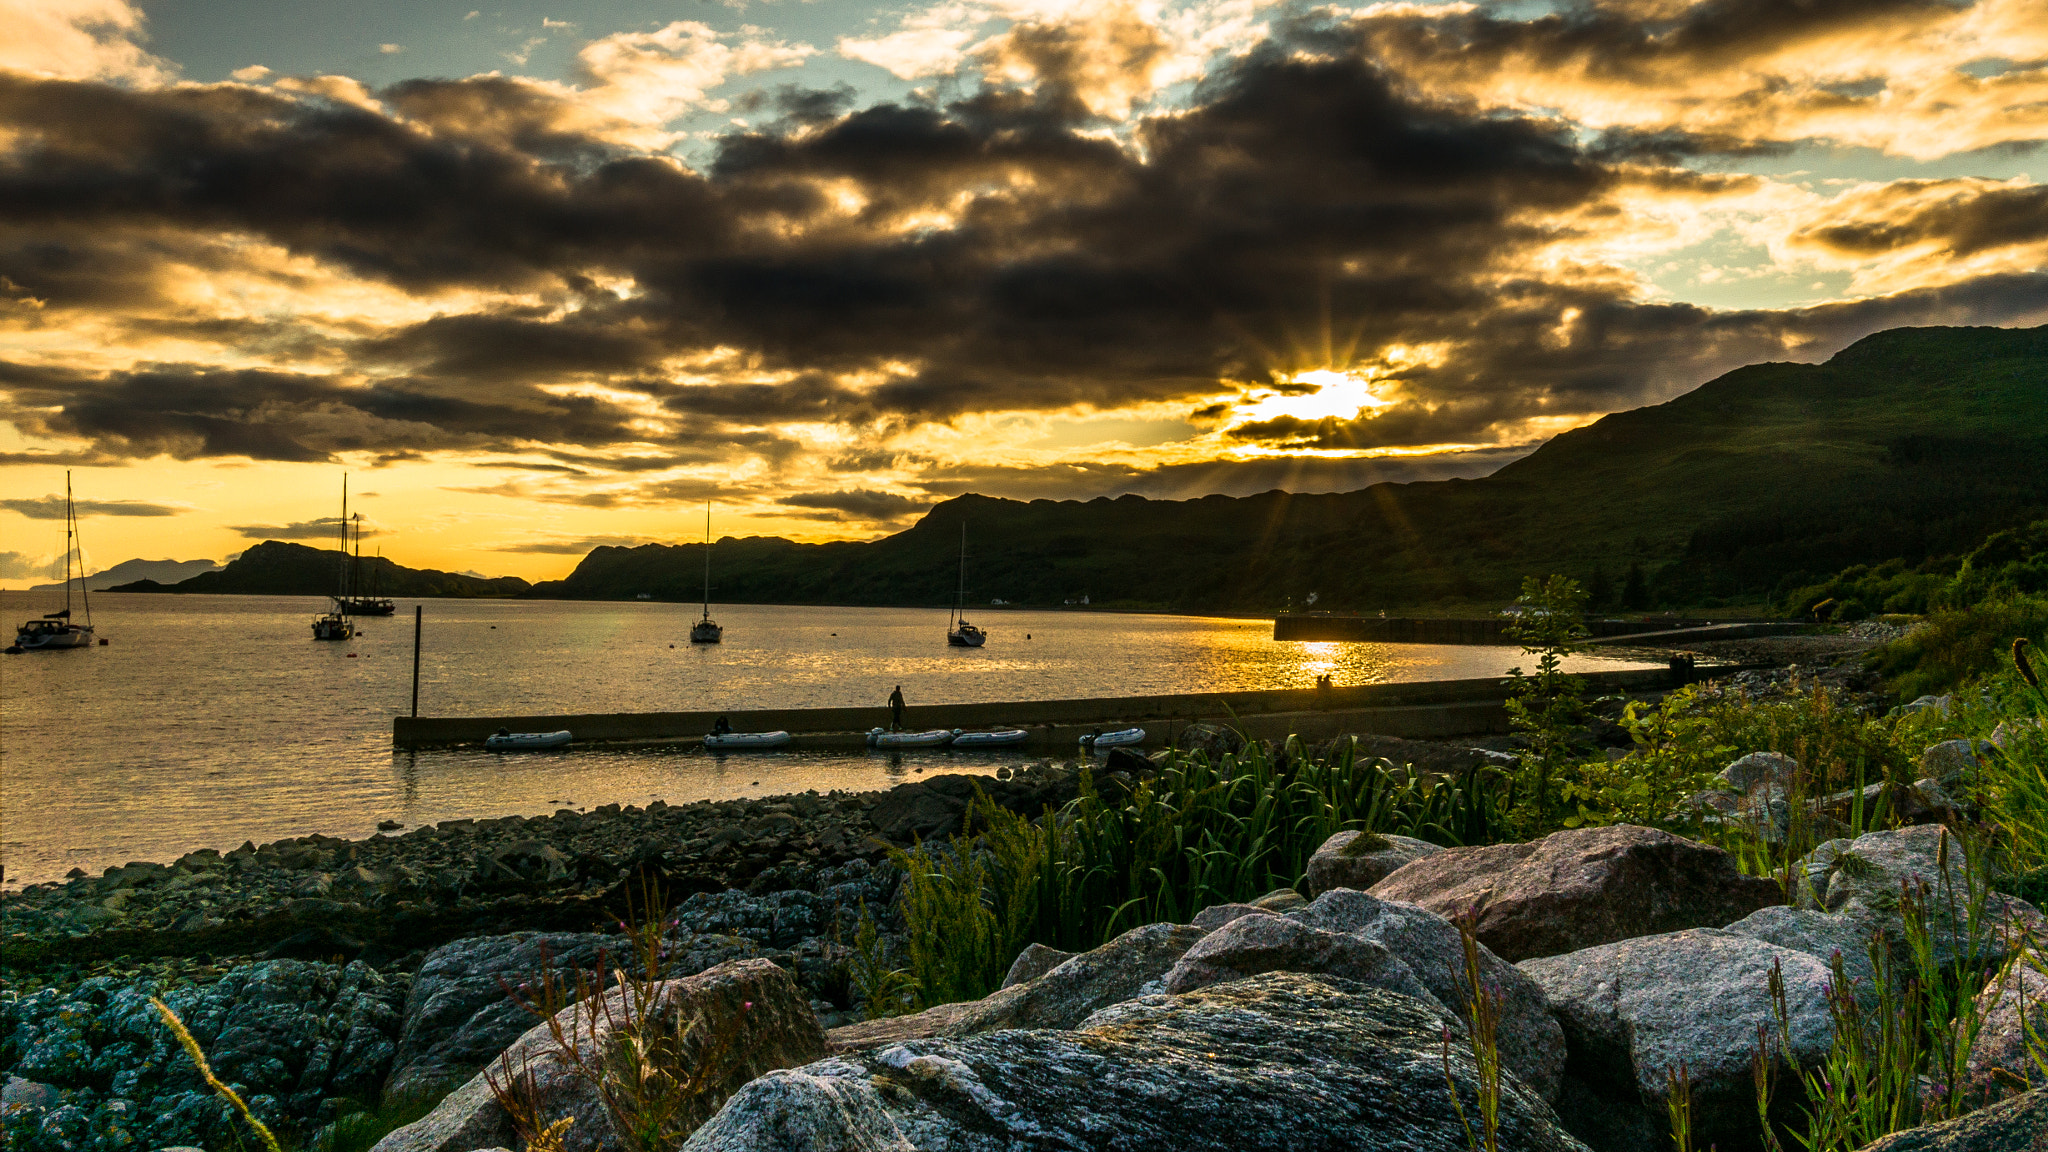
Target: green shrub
[
  {"x": 1960, "y": 644},
  {"x": 1201, "y": 832}
]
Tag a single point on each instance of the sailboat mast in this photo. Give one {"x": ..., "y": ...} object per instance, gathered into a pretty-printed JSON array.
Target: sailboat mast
[
  {"x": 70, "y": 523},
  {"x": 343, "y": 578},
  {"x": 84, "y": 593},
  {"x": 707, "y": 559},
  {"x": 960, "y": 597}
]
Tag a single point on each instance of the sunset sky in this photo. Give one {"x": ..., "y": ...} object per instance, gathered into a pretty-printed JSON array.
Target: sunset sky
[{"x": 539, "y": 277}]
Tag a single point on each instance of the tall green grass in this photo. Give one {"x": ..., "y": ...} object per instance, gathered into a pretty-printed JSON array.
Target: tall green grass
[
  {"x": 1201, "y": 832},
  {"x": 1957, "y": 646}
]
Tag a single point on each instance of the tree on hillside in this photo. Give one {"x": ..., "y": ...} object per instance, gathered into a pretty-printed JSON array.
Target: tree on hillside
[{"x": 1635, "y": 590}]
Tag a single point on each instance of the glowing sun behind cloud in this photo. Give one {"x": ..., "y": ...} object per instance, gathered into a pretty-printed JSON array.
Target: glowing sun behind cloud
[{"x": 1318, "y": 394}]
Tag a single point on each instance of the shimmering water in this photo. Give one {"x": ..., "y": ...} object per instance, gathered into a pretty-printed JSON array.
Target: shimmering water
[{"x": 209, "y": 720}]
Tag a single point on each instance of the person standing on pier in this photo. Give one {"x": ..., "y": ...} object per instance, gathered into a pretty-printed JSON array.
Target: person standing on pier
[{"x": 896, "y": 709}]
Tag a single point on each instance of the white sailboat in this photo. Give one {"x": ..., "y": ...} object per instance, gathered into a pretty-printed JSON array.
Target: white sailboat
[
  {"x": 58, "y": 629},
  {"x": 336, "y": 625},
  {"x": 959, "y": 633},
  {"x": 707, "y": 630}
]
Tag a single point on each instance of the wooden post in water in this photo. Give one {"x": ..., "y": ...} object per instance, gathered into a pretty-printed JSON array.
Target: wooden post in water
[{"x": 416, "y": 609}]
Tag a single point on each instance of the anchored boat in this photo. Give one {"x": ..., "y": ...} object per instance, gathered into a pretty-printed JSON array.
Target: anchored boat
[
  {"x": 994, "y": 738},
  {"x": 1120, "y": 738},
  {"x": 732, "y": 740},
  {"x": 58, "y": 630},
  {"x": 959, "y": 633},
  {"x": 508, "y": 741},
  {"x": 336, "y": 625},
  {"x": 879, "y": 738},
  {"x": 707, "y": 630}
]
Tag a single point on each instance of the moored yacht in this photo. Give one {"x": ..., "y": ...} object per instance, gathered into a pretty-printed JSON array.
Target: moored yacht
[
  {"x": 959, "y": 633},
  {"x": 58, "y": 629},
  {"x": 707, "y": 630},
  {"x": 336, "y": 624}
]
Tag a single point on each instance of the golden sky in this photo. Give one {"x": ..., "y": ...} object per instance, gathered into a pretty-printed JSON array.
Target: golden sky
[{"x": 542, "y": 279}]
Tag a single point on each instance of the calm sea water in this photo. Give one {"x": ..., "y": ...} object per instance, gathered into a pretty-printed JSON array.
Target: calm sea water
[{"x": 210, "y": 720}]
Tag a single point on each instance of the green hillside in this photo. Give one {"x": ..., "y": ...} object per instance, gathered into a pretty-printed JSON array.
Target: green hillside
[
  {"x": 274, "y": 568},
  {"x": 1910, "y": 444}
]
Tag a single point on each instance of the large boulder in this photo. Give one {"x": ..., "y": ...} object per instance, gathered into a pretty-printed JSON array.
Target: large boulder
[
  {"x": 1634, "y": 1010},
  {"x": 768, "y": 1018},
  {"x": 2016, "y": 1125},
  {"x": 1871, "y": 869},
  {"x": 1250, "y": 945},
  {"x": 2013, "y": 1009},
  {"x": 1772, "y": 770},
  {"x": 1034, "y": 961},
  {"x": 1531, "y": 1043},
  {"x": 916, "y": 811},
  {"x": 1951, "y": 760},
  {"x": 1580, "y": 888},
  {"x": 1823, "y": 935},
  {"x": 1359, "y": 860},
  {"x": 459, "y": 1016},
  {"x": 1867, "y": 879},
  {"x": 939, "y": 1020},
  {"x": 1276, "y": 1061},
  {"x": 1211, "y": 740},
  {"x": 291, "y": 1034},
  {"x": 1064, "y": 996}
]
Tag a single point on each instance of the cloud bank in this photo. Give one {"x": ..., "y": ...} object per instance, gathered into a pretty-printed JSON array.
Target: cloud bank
[{"x": 1155, "y": 218}]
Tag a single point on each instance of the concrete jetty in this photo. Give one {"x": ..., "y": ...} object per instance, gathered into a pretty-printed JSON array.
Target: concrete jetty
[
  {"x": 1432, "y": 709},
  {"x": 1656, "y": 632}
]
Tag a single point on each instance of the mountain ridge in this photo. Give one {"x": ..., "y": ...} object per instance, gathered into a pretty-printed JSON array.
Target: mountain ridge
[
  {"x": 278, "y": 568},
  {"x": 1908, "y": 442}
]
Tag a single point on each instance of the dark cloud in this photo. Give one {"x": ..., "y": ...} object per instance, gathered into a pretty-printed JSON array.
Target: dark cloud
[
  {"x": 325, "y": 528},
  {"x": 861, "y": 503},
  {"x": 571, "y": 547},
  {"x": 1963, "y": 218},
  {"x": 52, "y": 508},
  {"x": 875, "y": 267}
]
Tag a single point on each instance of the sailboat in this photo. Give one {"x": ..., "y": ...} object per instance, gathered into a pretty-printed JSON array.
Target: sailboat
[
  {"x": 372, "y": 604},
  {"x": 707, "y": 630},
  {"x": 336, "y": 625},
  {"x": 58, "y": 630},
  {"x": 959, "y": 633}
]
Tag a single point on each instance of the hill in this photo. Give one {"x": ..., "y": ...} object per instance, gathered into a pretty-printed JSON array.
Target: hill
[
  {"x": 275, "y": 568},
  {"x": 1909, "y": 444},
  {"x": 128, "y": 571}
]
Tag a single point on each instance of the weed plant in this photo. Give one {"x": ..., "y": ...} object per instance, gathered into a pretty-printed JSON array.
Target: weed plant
[
  {"x": 1483, "y": 1008},
  {"x": 234, "y": 1099},
  {"x": 658, "y": 1073},
  {"x": 1547, "y": 706}
]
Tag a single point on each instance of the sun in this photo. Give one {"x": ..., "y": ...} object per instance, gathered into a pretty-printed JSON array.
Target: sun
[{"x": 1317, "y": 394}]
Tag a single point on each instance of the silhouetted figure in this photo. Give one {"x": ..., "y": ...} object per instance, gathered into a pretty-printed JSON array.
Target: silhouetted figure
[
  {"x": 722, "y": 727},
  {"x": 896, "y": 709}
]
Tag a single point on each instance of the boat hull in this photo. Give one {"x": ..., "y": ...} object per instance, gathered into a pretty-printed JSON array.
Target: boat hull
[
  {"x": 527, "y": 741},
  {"x": 1122, "y": 738},
  {"x": 932, "y": 739},
  {"x": 730, "y": 741},
  {"x": 974, "y": 639},
  {"x": 1001, "y": 738},
  {"x": 328, "y": 628},
  {"x": 75, "y": 636},
  {"x": 706, "y": 633}
]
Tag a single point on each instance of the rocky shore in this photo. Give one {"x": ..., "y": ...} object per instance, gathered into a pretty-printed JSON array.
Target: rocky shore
[{"x": 329, "y": 978}]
